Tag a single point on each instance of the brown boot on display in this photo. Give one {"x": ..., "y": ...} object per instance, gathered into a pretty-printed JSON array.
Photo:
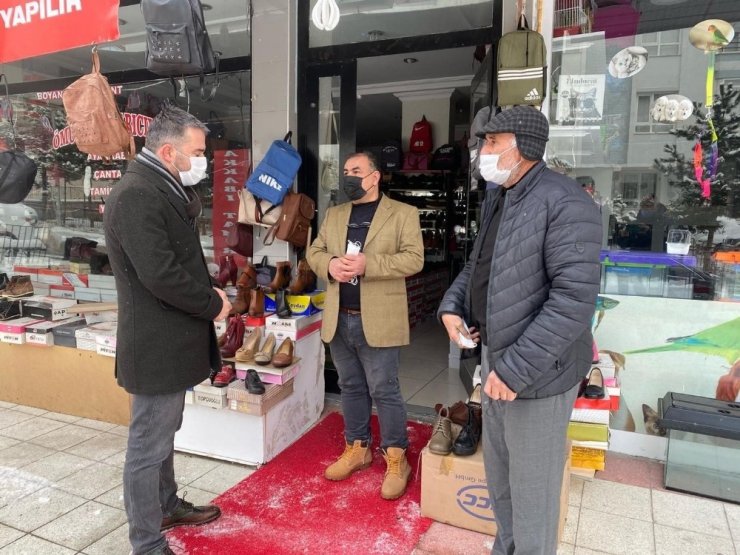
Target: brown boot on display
[
  {"x": 441, "y": 442},
  {"x": 397, "y": 473},
  {"x": 235, "y": 340},
  {"x": 283, "y": 357},
  {"x": 305, "y": 279},
  {"x": 264, "y": 356},
  {"x": 250, "y": 346},
  {"x": 18, "y": 286},
  {"x": 241, "y": 303},
  {"x": 248, "y": 278},
  {"x": 356, "y": 456},
  {"x": 257, "y": 303},
  {"x": 282, "y": 276}
]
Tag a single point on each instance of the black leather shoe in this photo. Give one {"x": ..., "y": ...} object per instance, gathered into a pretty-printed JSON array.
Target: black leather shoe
[
  {"x": 283, "y": 310},
  {"x": 187, "y": 514},
  {"x": 466, "y": 443},
  {"x": 595, "y": 385},
  {"x": 253, "y": 383}
]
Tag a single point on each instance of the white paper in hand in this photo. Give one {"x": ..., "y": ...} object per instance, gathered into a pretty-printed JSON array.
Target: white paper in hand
[
  {"x": 353, "y": 247},
  {"x": 466, "y": 342}
]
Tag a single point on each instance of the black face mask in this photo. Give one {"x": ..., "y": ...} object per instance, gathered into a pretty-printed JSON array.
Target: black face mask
[{"x": 352, "y": 187}]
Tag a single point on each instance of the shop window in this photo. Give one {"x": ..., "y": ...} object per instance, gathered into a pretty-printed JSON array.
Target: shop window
[
  {"x": 644, "y": 122},
  {"x": 662, "y": 43}
]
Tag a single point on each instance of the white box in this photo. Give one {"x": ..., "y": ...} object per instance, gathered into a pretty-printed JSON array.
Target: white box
[
  {"x": 41, "y": 333},
  {"x": 294, "y": 323},
  {"x": 40, "y": 288},
  {"x": 87, "y": 294},
  {"x": 247, "y": 439},
  {"x": 209, "y": 396},
  {"x": 62, "y": 292},
  {"x": 13, "y": 338},
  {"x": 74, "y": 280},
  {"x": 606, "y": 365},
  {"x": 104, "y": 350},
  {"x": 101, "y": 281},
  {"x": 108, "y": 296},
  {"x": 189, "y": 397}
]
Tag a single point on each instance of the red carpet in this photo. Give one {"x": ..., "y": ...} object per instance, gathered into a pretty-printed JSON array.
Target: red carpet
[{"x": 288, "y": 507}]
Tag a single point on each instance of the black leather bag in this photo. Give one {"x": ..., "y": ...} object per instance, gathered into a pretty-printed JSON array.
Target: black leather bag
[
  {"x": 265, "y": 272},
  {"x": 17, "y": 171}
]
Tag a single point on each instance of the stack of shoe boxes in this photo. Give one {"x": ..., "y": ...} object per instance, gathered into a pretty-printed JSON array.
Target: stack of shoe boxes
[
  {"x": 589, "y": 423},
  {"x": 70, "y": 281}
]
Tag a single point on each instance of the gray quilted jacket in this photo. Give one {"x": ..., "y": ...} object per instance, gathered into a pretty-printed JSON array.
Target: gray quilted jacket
[{"x": 543, "y": 285}]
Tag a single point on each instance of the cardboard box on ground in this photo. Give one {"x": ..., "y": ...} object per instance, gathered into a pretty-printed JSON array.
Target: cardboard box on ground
[{"x": 454, "y": 491}]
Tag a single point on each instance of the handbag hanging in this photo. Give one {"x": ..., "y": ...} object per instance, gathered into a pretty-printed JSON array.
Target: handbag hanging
[
  {"x": 256, "y": 211},
  {"x": 294, "y": 224},
  {"x": 240, "y": 239},
  {"x": 17, "y": 171},
  {"x": 265, "y": 272}
]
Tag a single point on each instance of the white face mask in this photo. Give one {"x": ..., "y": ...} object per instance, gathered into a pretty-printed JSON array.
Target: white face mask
[
  {"x": 489, "y": 169},
  {"x": 196, "y": 173}
]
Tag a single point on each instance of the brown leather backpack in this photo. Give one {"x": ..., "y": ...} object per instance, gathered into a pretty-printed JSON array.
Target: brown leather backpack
[
  {"x": 92, "y": 114},
  {"x": 294, "y": 224}
]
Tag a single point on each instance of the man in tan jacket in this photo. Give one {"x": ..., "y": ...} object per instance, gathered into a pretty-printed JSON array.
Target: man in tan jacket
[{"x": 364, "y": 251}]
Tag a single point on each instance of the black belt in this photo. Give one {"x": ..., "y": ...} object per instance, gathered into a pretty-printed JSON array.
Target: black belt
[{"x": 349, "y": 310}]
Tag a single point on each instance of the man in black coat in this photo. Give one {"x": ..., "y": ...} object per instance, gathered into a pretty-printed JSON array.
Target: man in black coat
[
  {"x": 166, "y": 308},
  {"x": 529, "y": 293}
]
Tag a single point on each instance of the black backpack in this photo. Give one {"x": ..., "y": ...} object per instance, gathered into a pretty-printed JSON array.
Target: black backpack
[
  {"x": 391, "y": 156},
  {"x": 17, "y": 171},
  {"x": 177, "y": 41},
  {"x": 446, "y": 157}
]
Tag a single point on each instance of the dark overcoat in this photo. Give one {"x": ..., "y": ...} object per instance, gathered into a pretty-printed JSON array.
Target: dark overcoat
[{"x": 166, "y": 303}]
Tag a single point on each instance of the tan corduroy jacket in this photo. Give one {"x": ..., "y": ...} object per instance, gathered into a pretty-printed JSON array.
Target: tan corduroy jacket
[{"x": 393, "y": 249}]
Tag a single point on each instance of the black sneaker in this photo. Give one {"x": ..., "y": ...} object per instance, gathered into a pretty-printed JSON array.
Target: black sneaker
[
  {"x": 466, "y": 443},
  {"x": 187, "y": 514}
]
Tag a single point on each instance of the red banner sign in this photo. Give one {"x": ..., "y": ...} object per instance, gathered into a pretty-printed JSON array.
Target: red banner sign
[
  {"x": 31, "y": 28},
  {"x": 230, "y": 173}
]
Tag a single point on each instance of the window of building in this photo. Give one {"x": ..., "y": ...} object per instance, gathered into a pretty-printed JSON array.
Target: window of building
[
  {"x": 662, "y": 43},
  {"x": 644, "y": 123}
]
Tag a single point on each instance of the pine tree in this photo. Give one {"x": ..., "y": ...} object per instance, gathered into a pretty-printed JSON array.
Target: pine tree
[{"x": 725, "y": 187}]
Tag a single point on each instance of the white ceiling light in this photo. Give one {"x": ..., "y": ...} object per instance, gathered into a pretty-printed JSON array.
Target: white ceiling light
[{"x": 325, "y": 15}]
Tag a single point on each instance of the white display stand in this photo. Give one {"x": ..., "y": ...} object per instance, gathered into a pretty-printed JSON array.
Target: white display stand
[{"x": 238, "y": 437}]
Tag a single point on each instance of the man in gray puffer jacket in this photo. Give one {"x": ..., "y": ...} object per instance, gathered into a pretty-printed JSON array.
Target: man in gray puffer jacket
[{"x": 528, "y": 293}]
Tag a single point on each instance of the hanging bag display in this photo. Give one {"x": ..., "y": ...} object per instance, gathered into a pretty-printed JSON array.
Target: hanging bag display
[
  {"x": 240, "y": 238},
  {"x": 295, "y": 221},
  {"x": 274, "y": 175},
  {"x": 265, "y": 272},
  {"x": 17, "y": 171},
  {"x": 255, "y": 211},
  {"x": 93, "y": 117},
  {"x": 421, "y": 137},
  {"x": 177, "y": 41},
  {"x": 521, "y": 67}
]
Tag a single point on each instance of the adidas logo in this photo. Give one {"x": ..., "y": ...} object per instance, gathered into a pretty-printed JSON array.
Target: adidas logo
[{"x": 533, "y": 95}]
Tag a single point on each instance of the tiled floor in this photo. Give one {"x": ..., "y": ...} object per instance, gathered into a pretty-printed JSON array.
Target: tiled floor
[
  {"x": 424, "y": 375},
  {"x": 61, "y": 493},
  {"x": 61, "y": 483}
]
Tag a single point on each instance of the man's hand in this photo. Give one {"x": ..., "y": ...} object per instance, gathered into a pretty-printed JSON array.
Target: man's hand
[
  {"x": 455, "y": 328},
  {"x": 226, "y": 308},
  {"x": 498, "y": 390},
  {"x": 340, "y": 270},
  {"x": 356, "y": 263}
]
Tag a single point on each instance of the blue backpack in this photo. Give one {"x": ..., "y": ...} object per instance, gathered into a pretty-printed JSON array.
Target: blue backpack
[{"x": 273, "y": 176}]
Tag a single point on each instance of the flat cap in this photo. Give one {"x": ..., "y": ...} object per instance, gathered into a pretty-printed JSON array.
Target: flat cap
[{"x": 527, "y": 123}]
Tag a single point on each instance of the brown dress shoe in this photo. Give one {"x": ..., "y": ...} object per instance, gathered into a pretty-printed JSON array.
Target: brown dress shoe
[
  {"x": 305, "y": 280},
  {"x": 282, "y": 276},
  {"x": 18, "y": 286},
  {"x": 257, "y": 303},
  {"x": 264, "y": 356},
  {"x": 284, "y": 355},
  {"x": 187, "y": 514}
]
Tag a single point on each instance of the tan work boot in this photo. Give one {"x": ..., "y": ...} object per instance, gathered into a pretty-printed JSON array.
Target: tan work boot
[
  {"x": 396, "y": 475},
  {"x": 356, "y": 457}
]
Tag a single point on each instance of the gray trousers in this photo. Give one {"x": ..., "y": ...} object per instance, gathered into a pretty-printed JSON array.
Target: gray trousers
[
  {"x": 368, "y": 374},
  {"x": 524, "y": 455},
  {"x": 149, "y": 486}
]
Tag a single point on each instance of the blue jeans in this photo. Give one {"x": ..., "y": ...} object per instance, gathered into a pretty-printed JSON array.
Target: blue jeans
[
  {"x": 368, "y": 374},
  {"x": 149, "y": 486}
]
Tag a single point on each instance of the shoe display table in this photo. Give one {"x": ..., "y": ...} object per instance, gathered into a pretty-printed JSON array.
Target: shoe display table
[
  {"x": 62, "y": 379},
  {"x": 248, "y": 439}
]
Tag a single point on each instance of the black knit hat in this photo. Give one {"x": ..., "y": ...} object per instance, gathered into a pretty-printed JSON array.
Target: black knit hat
[{"x": 528, "y": 124}]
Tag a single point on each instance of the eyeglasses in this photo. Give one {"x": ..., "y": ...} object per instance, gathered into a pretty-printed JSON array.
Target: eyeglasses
[{"x": 358, "y": 226}]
